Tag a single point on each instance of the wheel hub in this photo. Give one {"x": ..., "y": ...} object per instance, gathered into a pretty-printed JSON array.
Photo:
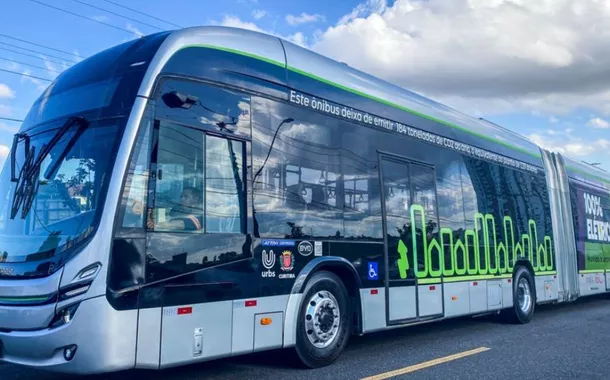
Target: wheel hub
[
  {"x": 322, "y": 319},
  {"x": 524, "y": 295}
]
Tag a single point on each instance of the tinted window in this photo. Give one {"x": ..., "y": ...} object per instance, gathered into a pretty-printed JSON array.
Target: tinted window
[
  {"x": 199, "y": 182},
  {"x": 309, "y": 180},
  {"x": 208, "y": 107}
]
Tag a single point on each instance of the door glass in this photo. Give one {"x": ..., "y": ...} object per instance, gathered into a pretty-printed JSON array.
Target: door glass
[
  {"x": 223, "y": 185},
  {"x": 425, "y": 220},
  {"x": 397, "y": 196}
]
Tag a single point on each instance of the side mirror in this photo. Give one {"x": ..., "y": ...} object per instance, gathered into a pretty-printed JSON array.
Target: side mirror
[{"x": 176, "y": 99}]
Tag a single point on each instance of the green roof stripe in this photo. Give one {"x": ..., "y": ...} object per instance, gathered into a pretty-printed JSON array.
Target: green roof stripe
[
  {"x": 371, "y": 97},
  {"x": 592, "y": 175}
]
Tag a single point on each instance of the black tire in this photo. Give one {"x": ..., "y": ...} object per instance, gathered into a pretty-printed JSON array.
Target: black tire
[
  {"x": 308, "y": 355},
  {"x": 515, "y": 314}
]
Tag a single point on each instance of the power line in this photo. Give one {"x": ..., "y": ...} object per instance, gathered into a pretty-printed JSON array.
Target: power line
[
  {"x": 142, "y": 13},
  {"x": 116, "y": 14},
  {"x": 26, "y": 75},
  {"x": 39, "y": 45},
  {"x": 35, "y": 51},
  {"x": 32, "y": 55},
  {"x": 81, "y": 16},
  {"x": 9, "y": 119},
  {"x": 29, "y": 64}
]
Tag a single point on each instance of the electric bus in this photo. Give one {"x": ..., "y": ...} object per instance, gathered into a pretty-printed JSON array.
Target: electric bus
[{"x": 212, "y": 192}]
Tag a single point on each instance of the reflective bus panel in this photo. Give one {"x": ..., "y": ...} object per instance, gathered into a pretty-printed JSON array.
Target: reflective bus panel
[{"x": 214, "y": 192}]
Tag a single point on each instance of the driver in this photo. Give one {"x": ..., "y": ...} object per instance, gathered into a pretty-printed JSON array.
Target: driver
[{"x": 187, "y": 216}]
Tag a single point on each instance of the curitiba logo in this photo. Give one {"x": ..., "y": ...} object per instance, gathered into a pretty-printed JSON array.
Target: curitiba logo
[{"x": 511, "y": 248}]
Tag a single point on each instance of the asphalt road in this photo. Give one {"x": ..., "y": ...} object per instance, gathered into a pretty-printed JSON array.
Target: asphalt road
[{"x": 562, "y": 342}]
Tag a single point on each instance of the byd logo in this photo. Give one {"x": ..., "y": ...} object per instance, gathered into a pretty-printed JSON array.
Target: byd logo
[{"x": 593, "y": 205}]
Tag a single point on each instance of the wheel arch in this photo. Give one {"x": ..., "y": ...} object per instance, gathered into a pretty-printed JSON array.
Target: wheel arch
[{"x": 346, "y": 272}]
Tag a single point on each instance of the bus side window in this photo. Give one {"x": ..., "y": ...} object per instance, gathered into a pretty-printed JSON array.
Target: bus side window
[
  {"x": 199, "y": 185},
  {"x": 133, "y": 207}
]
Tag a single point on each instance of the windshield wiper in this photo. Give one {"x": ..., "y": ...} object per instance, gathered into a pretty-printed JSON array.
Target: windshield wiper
[{"x": 27, "y": 182}]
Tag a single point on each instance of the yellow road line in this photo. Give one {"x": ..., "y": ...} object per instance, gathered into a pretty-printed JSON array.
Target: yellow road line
[{"x": 427, "y": 364}]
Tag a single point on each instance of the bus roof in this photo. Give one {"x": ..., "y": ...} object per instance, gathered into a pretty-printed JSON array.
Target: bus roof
[{"x": 299, "y": 60}]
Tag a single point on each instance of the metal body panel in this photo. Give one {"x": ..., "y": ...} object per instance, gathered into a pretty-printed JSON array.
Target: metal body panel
[
  {"x": 268, "y": 337},
  {"x": 592, "y": 283},
  {"x": 560, "y": 230},
  {"x": 547, "y": 289},
  {"x": 31, "y": 287},
  {"x": 290, "y": 321},
  {"x": 247, "y": 42},
  {"x": 149, "y": 338},
  {"x": 507, "y": 293},
  {"x": 457, "y": 299},
  {"x": 26, "y": 318},
  {"x": 402, "y": 303},
  {"x": 373, "y": 309},
  {"x": 568, "y": 256},
  {"x": 430, "y": 299},
  {"x": 213, "y": 320},
  {"x": 100, "y": 349},
  {"x": 478, "y": 296},
  {"x": 494, "y": 295},
  {"x": 244, "y": 324}
]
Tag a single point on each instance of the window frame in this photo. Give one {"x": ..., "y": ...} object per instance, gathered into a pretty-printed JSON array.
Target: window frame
[{"x": 154, "y": 155}]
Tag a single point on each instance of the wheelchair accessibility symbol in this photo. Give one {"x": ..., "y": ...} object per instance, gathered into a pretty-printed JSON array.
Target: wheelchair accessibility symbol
[{"x": 373, "y": 273}]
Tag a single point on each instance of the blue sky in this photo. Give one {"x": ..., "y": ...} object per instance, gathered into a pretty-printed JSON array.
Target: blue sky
[{"x": 536, "y": 79}]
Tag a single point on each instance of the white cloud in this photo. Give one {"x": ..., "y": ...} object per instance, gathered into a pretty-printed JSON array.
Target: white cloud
[
  {"x": 5, "y": 110},
  {"x": 101, "y": 18},
  {"x": 134, "y": 30},
  {"x": 11, "y": 127},
  {"x": 553, "y": 120},
  {"x": 259, "y": 13},
  {"x": 598, "y": 123},
  {"x": 304, "y": 18},
  {"x": 40, "y": 84},
  {"x": 6, "y": 92},
  {"x": 4, "y": 151},
  {"x": 494, "y": 56},
  {"x": 566, "y": 143},
  {"x": 236, "y": 22}
]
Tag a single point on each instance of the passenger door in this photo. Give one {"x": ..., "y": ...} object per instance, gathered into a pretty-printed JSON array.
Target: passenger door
[{"x": 410, "y": 222}]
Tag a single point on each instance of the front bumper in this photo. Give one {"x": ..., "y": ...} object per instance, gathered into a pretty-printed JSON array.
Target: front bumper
[{"x": 105, "y": 341}]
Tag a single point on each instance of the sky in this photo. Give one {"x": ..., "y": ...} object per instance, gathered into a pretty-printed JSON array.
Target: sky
[{"x": 540, "y": 68}]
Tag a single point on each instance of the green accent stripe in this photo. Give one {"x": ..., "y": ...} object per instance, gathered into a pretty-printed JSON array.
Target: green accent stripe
[
  {"x": 425, "y": 281},
  {"x": 589, "y": 271},
  {"x": 588, "y": 174},
  {"x": 546, "y": 273},
  {"x": 476, "y": 278},
  {"x": 365, "y": 95},
  {"x": 239, "y": 52},
  {"x": 23, "y": 299}
]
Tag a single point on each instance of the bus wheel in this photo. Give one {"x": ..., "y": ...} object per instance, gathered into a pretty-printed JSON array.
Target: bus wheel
[
  {"x": 524, "y": 298},
  {"x": 324, "y": 321}
]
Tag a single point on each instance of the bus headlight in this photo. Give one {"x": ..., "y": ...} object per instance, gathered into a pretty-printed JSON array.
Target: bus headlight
[{"x": 64, "y": 316}]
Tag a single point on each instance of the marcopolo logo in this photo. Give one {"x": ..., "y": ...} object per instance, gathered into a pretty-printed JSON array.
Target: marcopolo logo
[
  {"x": 305, "y": 248},
  {"x": 593, "y": 205}
]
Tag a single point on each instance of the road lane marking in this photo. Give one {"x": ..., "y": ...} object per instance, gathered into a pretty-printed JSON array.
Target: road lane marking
[{"x": 427, "y": 364}]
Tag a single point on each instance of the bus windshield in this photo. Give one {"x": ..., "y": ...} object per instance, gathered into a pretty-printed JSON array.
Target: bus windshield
[{"x": 66, "y": 192}]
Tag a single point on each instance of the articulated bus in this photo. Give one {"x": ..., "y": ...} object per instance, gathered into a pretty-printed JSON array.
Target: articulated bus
[{"x": 212, "y": 192}]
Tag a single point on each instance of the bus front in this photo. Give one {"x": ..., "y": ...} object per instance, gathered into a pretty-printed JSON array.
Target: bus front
[{"x": 59, "y": 190}]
